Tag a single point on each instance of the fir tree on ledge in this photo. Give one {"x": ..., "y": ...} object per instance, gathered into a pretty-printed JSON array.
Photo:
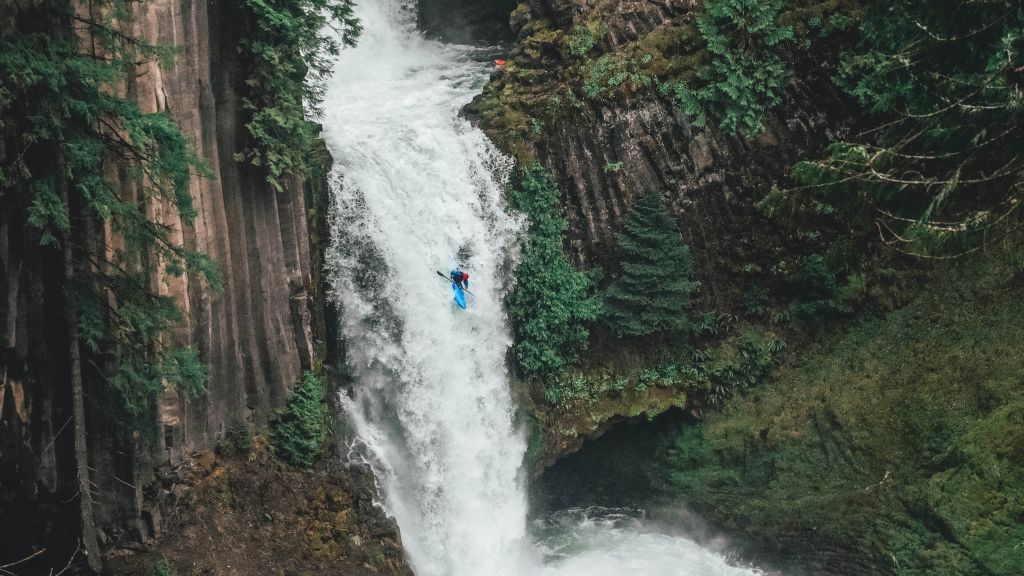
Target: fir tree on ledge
[{"x": 653, "y": 293}]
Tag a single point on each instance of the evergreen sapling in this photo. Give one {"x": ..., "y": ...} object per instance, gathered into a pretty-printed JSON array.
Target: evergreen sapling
[{"x": 653, "y": 293}]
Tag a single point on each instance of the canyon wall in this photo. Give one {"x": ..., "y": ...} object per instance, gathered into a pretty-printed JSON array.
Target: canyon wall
[
  {"x": 869, "y": 444},
  {"x": 607, "y": 149},
  {"x": 256, "y": 335}
]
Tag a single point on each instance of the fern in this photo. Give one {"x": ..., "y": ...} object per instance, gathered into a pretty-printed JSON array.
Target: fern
[{"x": 745, "y": 77}]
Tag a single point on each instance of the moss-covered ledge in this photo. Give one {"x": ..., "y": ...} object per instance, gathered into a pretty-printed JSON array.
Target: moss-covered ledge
[{"x": 558, "y": 431}]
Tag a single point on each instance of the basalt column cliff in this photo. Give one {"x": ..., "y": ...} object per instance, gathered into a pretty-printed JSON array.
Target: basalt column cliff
[{"x": 256, "y": 333}]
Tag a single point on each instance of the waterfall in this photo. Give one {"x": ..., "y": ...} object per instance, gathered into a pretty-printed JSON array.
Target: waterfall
[{"x": 417, "y": 190}]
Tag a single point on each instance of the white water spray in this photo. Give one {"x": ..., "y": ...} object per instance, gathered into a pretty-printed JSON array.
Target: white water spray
[{"x": 417, "y": 188}]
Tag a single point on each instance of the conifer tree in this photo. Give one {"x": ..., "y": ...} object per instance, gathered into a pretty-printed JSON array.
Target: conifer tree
[
  {"x": 940, "y": 173},
  {"x": 653, "y": 293}
]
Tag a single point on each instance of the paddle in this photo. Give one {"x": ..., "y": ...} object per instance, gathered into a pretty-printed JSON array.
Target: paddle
[{"x": 445, "y": 276}]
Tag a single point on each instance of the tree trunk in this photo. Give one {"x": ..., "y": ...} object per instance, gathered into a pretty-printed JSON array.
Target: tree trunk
[{"x": 92, "y": 551}]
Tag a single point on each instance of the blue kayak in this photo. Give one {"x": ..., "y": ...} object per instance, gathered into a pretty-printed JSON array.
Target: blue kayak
[{"x": 460, "y": 295}]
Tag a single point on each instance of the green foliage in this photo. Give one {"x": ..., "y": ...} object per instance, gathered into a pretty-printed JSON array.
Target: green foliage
[
  {"x": 612, "y": 71},
  {"x": 653, "y": 293},
  {"x": 87, "y": 160},
  {"x": 836, "y": 22},
  {"x": 536, "y": 127},
  {"x": 551, "y": 302},
  {"x": 162, "y": 568},
  {"x": 534, "y": 440},
  {"x": 237, "y": 441},
  {"x": 738, "y": 363},
  {"x": 572, "y": 387},
  {"x": 183, "y": 370},
  {"x": 825, "y": 285},
  {"x": 291, "y": 45},
  {"x": 612, "y": 167},
  {"x": 941, "y": 174},
  {"x": 898, "y": 444},
  {"x": 746, "y": 75},
  {"x": 298, "y": 431},
  {"x": 691, "y": 465},
  {"x": 594, "y": 85},
  {"x": 755, "y": 301},
  {"x": 581, "y": 41}
]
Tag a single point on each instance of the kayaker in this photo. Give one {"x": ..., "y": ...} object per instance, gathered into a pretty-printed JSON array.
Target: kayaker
[{"x": 460, "y": 278}]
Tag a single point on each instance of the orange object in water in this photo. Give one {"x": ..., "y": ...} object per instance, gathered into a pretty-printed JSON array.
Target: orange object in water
[{"x": 499, "y": 62}]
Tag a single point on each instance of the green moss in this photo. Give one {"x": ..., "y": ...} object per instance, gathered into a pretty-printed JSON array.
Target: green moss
[
  {"x": 581, "y": 41},
  {"x": 899, "y": 443},
  {"x": 549, "y": 62},
  {"x": 521, "y": 10}
]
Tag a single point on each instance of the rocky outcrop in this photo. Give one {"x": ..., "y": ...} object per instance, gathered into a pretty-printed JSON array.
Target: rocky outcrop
[
  {"x": 607, "y": 147},
  {"x": 246, "y": 513},
  {"x": 466, "y": 21},
  {"x": 712, "y": 182}
]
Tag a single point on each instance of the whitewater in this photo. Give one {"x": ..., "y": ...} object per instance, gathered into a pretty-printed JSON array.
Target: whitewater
[{"x": 416, "y": 190}]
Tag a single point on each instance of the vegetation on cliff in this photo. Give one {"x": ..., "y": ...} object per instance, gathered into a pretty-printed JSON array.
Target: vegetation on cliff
[
  {"x": 745, "y": 75},
  {"x": 887, "y": 440},
  {"x": 939, "y": 173},
  {"x": 83, "y": 171},
  {"x": 652, "y": 295},
  {"x": 551, "y": 301},
  {"x": 68, "y": 130},
  {"x": 726, "y": 67},
  {"x": 298, "y": 431},
  {"x": 894, "y": 446},
  {"x": 291, "y": 45}
]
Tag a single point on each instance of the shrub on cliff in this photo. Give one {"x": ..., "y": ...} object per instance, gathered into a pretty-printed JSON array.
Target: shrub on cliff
[
  {"x": 290, "y": 46},
  {"x": 653, "y": 293},
  {"x": 298, "y": 431},
  {"x": 745, "y": 76},
  {"x": 551, "y": 302}
]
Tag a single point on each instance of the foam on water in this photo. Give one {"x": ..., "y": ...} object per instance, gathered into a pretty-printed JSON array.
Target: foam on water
[{"x": 415, "y": 188}]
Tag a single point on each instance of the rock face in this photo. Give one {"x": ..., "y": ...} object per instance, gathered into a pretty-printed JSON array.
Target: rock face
[
  {"x": 466, "y": 21},
  {"x": 249, "y": 514},
  {"x": 711, "y": 181},
  {"x": 256, "y": 336},
  {"x": 606, "y": 149}
]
